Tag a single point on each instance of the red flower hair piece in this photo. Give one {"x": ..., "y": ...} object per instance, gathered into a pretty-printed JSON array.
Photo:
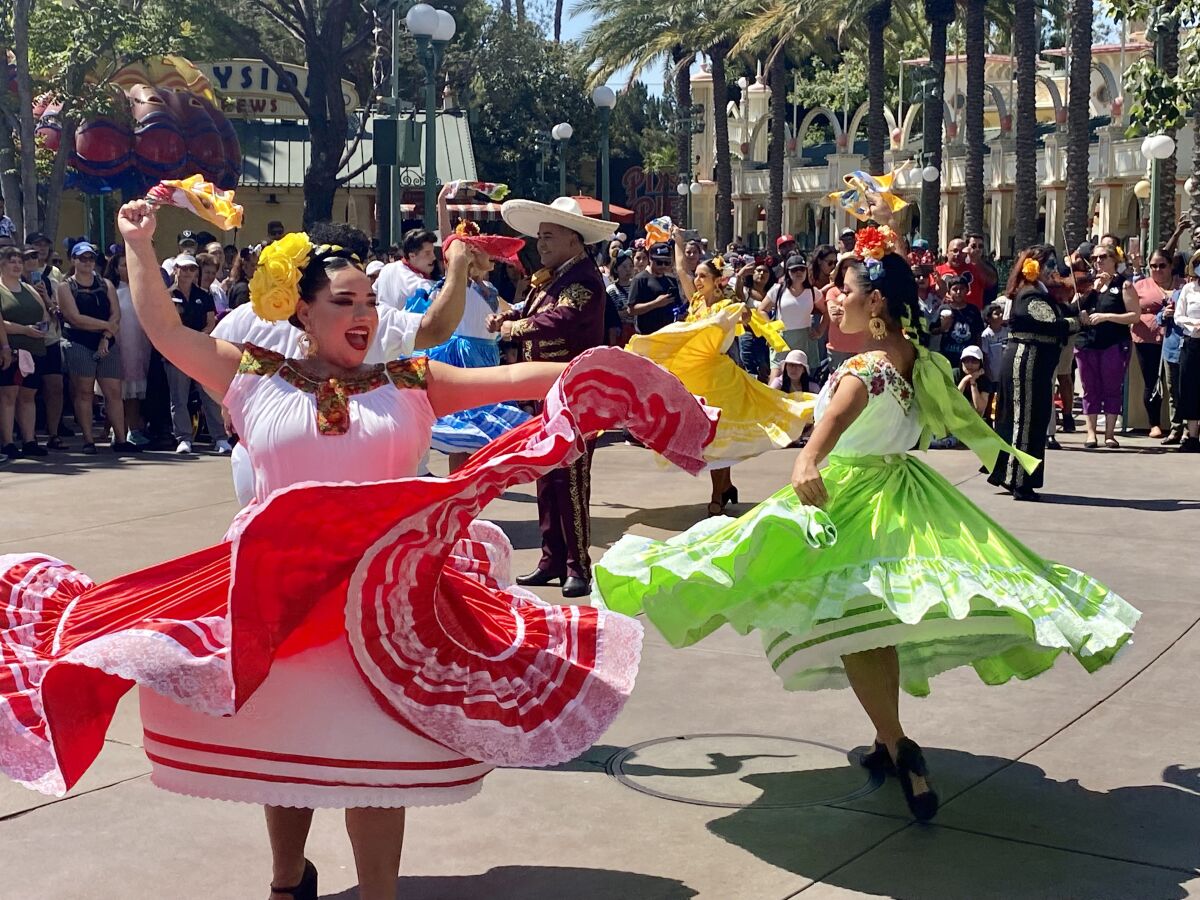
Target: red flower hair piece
[
  {"x": 874, "y": 242},
  {"x": 505, "y": 249}
]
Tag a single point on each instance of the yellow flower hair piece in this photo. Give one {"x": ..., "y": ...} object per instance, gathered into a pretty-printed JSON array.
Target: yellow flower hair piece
[
  {"x": 719, "y": 262},
  {"x": 275, "y": 285},
  {"x": 1031, "y": 270}
]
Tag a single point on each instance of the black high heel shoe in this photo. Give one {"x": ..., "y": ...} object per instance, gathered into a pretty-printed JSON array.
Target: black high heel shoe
[
  {"x": 878, "y": 760},
  {"x": 911, "y": 761},
  {"x": 306, "y": 889},
  {"x": 730, "y": 496}
]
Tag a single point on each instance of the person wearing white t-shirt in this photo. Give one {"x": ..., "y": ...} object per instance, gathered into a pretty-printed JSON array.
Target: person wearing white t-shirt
[
  {"x": 792, "y": 302},
  {"x": 399, "y": 282}
]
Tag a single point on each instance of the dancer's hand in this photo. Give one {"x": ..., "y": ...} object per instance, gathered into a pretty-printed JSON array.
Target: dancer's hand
[
  {"x": 808, "y": 483},
  {"x": 137, "y": 222}
]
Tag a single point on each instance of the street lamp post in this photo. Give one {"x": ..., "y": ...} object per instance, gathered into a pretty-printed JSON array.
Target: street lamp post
[
  {"x": 1156, "y": 148},
  {"x": 433, "y": 29},
  {"x": 605, "y": 99},
  {"x": 562, "y": 133}
]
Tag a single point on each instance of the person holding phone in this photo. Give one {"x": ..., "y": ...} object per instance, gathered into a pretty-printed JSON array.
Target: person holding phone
[
  {"x": 26, "y": 323},
  {"x": 654, "y": 292}
]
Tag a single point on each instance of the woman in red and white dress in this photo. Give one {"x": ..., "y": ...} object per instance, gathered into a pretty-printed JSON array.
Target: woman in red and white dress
[{"x": 355, "y": 642}]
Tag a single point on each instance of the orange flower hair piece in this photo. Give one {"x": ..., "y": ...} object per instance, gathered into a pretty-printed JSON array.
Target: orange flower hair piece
[
  {"x": 1031, "y": 270},
  {"x": 874, "y": 242}
]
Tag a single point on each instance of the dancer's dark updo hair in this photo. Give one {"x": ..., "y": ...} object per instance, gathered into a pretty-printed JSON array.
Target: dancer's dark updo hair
[{"x": 892, "y": 277}]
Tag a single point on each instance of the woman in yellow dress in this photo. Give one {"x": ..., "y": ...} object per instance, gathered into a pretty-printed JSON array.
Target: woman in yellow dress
[{"x": 754, "y": 417}]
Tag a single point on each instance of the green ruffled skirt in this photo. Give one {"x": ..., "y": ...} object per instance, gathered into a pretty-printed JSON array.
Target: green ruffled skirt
[{"x": 899, "y": 558}]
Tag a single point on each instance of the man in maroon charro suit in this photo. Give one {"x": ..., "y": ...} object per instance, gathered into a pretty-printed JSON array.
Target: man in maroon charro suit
[{"x": 563, "y": 316}]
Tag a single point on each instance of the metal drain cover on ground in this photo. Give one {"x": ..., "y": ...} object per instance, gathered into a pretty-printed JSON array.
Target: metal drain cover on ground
[{"x": 739, "y": 770}]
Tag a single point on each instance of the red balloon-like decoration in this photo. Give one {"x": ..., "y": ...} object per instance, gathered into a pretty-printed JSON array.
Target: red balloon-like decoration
[{"x": 165, "y": 134}]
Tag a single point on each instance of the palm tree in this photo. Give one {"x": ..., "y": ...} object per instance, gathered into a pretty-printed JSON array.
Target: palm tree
[
  {"x": 1168, "y": 167},
  {"x": 877, "y": 19},
  {"x": 975, "y": 39},
  {"x": 778, "y": 82},
  {"x": 558, "y": 17},
  {"x": 718, "y": 53},
  {"x": 639, "y": 33},
  {"x": 1025, "y": 45},
  {"x": 939, "y": 14},
  {"x": 1077, "y": 215}
]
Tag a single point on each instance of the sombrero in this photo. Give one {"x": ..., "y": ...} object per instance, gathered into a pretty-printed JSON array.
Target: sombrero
[{"x": 525, "y": 216}]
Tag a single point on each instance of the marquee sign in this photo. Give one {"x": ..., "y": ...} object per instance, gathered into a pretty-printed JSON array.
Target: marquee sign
[{"x": 251, "y": 89}]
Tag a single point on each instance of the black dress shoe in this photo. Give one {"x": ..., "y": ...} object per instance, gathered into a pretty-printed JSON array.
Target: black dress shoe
[
  {"x": 911, "y": 761},
  {"x": 538, "y": 578},
  {"x": 306, "y": 889},
  {"x": 574, "y": 586},
  {"x": 1029, "y": 495},
  {"x": 1053, "y": 444},
  {"x": 878, "y": 760}
]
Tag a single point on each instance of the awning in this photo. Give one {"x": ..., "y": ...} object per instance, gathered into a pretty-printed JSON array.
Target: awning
[
  {"x": 275, "y": 154},
  {"x": 476, "y": 212},
  {"x": 594, "y": 209}
]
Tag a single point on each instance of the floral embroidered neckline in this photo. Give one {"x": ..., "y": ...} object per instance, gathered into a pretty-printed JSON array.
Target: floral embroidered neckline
[
  {"x": 879, "y": 374},
  {"x": 333, "y": 394}
]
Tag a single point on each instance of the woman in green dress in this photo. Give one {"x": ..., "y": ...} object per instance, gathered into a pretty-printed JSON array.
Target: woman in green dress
[{"x": 871, "y": 570}]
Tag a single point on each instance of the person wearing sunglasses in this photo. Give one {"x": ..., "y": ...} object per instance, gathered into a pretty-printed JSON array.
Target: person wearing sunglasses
[
  {"x": 1152, "y": 293},
  {"x": 1103, "y": 347}
]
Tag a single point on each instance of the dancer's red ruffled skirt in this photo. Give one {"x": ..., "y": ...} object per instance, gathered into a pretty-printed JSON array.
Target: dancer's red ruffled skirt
[{"x": 399, "y": 570}]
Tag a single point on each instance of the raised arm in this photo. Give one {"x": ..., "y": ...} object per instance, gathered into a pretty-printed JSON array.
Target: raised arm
[
  {"x": 452, "y": 389},
  {"x": 446, "y": 309},
  {"x": 686, "y": 283},
  {"x": 210, "y": 361}
]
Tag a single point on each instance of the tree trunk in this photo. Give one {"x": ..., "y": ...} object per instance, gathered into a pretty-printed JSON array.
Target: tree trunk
[
  {"x": 939, "y": 14},
  {"x": 683, "y": 124},
  {"x": 520, "y": 12},
  {"x": 1025, "y": 40},
  {"x": 976, "y": 48},
  {"x": 506, "y": 8},
  {"x": 558, "y": 17},
  {"x": 25, "y": 124},
  {"x": 58, "y": 176},
  {"x": 878, "y": 17},
  {"x": 1194, "y": 210},
  {"x": 722, "y": 162},
  {"x": 778, "y": 79},
  {"x": 10, "y": 175},
  {"x": 1077, "y": 217},
  {"x": 327, "y": 120},
  {"x": 1168, "y": 167}
]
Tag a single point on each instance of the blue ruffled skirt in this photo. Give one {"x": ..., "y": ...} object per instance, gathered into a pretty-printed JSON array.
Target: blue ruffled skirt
[{"x": 468, "y": 431}]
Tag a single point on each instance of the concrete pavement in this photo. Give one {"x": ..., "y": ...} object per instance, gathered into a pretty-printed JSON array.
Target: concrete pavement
[{"x": 713, "y": 783}]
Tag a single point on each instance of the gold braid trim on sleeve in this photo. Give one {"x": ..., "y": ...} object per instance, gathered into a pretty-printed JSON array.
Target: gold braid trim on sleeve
[
  {"x": 257, "y": 361},
  {"x": 575, "y": 296}
]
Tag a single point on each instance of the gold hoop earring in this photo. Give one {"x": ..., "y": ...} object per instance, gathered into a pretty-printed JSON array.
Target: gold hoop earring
[
  {"x": 878, "y": 328},
  {"x": 307, "y": 345}
]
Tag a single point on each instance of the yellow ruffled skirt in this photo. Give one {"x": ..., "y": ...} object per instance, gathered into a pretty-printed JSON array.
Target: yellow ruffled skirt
[{"x": 754, "y": 418}]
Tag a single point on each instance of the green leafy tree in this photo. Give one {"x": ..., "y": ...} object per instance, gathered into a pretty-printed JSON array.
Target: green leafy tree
[
  {"x": 72, "y": 53},
  {"x": 517, "y": 102}
]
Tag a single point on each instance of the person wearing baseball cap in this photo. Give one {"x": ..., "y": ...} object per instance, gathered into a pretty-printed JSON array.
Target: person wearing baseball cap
[
  {"x": 975, "y": 384},
  {"x": 374, "y": 267},
  {"x": 188, "y": 246},
  {"x": 654, "y": 292}
]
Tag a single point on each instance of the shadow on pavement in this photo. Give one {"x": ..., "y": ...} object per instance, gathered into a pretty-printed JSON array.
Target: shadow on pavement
[
  {"x": 1154, "y": 505},
  {"x": 536, "y": 883},
  {"x": 1004, "y": 836}
]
